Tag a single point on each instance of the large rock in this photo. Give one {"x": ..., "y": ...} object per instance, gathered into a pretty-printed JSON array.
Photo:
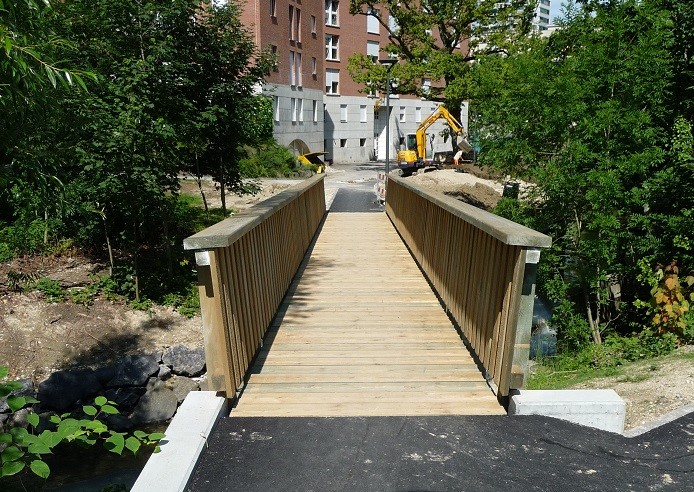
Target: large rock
[
  {"x": 185, "y": 361},
  {"x": 157, "y": 405},
  {"x": 182, "y": 385},
  {"x": 125, "y": 398},
  {"x": 134, "y": 370},
  {"x": 27, "y": 389},
  {"x": 63, "y": 388}
]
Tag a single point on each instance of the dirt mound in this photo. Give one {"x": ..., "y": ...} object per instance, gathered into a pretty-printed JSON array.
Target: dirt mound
[
  {"x": 466, "y": 187},
  {"x": 37, "y": 337}
]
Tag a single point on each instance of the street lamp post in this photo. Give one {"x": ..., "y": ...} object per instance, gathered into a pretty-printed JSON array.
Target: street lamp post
[{"x": 389, "y": 63}]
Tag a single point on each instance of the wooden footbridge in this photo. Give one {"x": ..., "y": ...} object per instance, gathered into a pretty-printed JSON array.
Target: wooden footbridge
[{"x": 424, "y": 310}]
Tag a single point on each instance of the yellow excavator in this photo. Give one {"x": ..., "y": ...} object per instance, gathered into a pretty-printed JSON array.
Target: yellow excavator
[{"x": 413, "y": 156}]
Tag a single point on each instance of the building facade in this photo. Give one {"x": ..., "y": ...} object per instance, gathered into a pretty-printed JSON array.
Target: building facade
[
  {"x": 541, "y": 19},
  {"x": 316, "y": 104}
]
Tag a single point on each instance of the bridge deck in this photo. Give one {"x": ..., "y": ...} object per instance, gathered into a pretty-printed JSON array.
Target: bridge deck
[{"x": 361, "y": 333}]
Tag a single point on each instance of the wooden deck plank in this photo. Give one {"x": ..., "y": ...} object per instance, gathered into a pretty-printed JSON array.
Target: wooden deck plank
[{"x": 360, "y": 333}]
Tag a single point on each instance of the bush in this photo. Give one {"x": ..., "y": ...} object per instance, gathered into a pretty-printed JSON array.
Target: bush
[
  {"x": 51, "y": 289},
  {"x": 270, "y": 160}
]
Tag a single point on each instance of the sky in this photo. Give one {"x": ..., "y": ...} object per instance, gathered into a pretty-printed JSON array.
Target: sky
[{"x": 555, "y": 9}]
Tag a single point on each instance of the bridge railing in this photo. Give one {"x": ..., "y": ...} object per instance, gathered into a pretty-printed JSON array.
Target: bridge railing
[
  {"x": 482, "y": 266},
  {"x": 245, "y": 265}
]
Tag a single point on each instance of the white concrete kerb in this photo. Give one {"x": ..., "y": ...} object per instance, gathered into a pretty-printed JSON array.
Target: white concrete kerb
[
  {"x": 600, "y": 409},
  {"x": 185, "y": 439}
]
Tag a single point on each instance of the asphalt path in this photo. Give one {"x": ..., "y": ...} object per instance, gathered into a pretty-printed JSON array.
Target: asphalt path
[{"x": 441, "y": 454}]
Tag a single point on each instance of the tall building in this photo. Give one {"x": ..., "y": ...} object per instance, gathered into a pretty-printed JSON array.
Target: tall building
[
  {"x": 316, "y": 104},
  {"x": 541, "y": 20}
]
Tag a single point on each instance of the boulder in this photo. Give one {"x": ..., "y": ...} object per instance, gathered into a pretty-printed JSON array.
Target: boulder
[
  {"x": 157, "y": 405},
  {"x": 105, "y": 374},
  {"x": 182, "y": 385},
  {"x": 164, "y": 372},
  {"x": 125, "y": 398},
  {"x": 63, "y": 388},
  {"x": 185, "y": 361},
  {"x": 134, "y": 370},
  {"x": 119, "y": 423}
]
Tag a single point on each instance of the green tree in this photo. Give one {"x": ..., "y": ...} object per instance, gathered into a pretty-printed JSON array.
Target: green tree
[
  {"x": 437, "y": 39},
  {"x": 588, "y": 115}
]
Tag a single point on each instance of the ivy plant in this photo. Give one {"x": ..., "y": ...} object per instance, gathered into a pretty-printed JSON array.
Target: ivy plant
[{"x": 24, "y": 449}]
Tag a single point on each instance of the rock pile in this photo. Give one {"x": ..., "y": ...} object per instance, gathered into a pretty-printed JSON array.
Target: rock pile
[{"x": 146, "y": 388}]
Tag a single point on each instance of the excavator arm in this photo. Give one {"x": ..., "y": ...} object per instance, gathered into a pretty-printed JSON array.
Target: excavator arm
[{"x": 456, "y": 127}]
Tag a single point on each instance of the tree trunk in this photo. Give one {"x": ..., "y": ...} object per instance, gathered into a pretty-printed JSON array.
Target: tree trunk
[
  {"x": 222, "y": 179},
  {"x": 136, "y": 266},
  {"x": 167, "y": 248},
  {"x": 202, "y": 192},
  {"x": 594, "y": 322},
  {"x": 45, "y": 227},
  {"x": 108, "y": 246}
]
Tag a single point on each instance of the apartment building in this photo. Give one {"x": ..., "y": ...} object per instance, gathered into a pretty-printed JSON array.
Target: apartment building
[
  {"x": 316, "y": 104},
  {"x": 541, "y": 20}
]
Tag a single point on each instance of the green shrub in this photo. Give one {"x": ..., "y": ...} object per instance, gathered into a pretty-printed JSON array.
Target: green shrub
[
  {"x": 24, "y": 447},
  {"x": 51, "y": 289},
  {"x": 270, "y": 160}
]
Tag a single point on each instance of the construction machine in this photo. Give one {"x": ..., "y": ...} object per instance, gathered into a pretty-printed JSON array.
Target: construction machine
[{"x": 413, "y": 156}]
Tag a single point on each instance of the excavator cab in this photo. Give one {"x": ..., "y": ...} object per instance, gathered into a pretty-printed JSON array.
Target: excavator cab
[
  {"x": 407, "y": 157},
  {"x": 411, "y": 141}
]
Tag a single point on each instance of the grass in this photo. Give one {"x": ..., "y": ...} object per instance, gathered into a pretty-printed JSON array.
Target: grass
[{"x": 561, "y": 372}]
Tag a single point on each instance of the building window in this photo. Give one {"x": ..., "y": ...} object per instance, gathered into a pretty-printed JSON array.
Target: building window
[
  {"x": 372, "y": 24},
  {"x": 544, "y": 2},
  {"x": 372, "y": 50},
  {"x": 544, "y": 20},
  {"x": 276, "y": 104},
  {"x": 273, "y": 8},
  {"x": 331, "y": 7},
  {"x": 314, "y": 65},
  {"x": 301, "y": 110},
  {"x": 362, "y": 113},
  {"x": 403, "y": 114},
  {"x": 313, "y": 24},
  {"x": 315, "y": 111},
  {"x": 292, "y": 69},
  {"x": 343, "y": 113},
  {"x": 331, "y": 47},
  {"x": 332, "y": 81},
  {"x": 418, "y": 114},
  {"x": 544, "y": 11},
  {"x": 362, "y": 142},
  {"x": 299, "y": 78},
  {"x": 297, "y": 25},
  {"x": 293, "y": 110},
  {"x": 291, "y": 23},
  {"x": 343, "y": 142}
]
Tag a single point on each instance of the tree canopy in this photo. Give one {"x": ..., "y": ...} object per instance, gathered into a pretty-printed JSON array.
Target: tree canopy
[
  {"x": 171, "y": 82},
  {"x": 436, "y": 39},
  {"x": 598, "y": 116}
]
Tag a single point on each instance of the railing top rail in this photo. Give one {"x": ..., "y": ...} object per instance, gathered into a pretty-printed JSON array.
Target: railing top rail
[
  {"x": 500, "y": 228},
  {"x": 226, "y": 232}
]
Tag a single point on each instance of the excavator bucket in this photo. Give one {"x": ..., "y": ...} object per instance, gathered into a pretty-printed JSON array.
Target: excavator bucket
[{"x": 464, "y": 145}]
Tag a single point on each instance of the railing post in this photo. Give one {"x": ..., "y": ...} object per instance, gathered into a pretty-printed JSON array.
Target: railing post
[
  {"x": 217, "y": 346},
  {"x": 523, "y": 329}
]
